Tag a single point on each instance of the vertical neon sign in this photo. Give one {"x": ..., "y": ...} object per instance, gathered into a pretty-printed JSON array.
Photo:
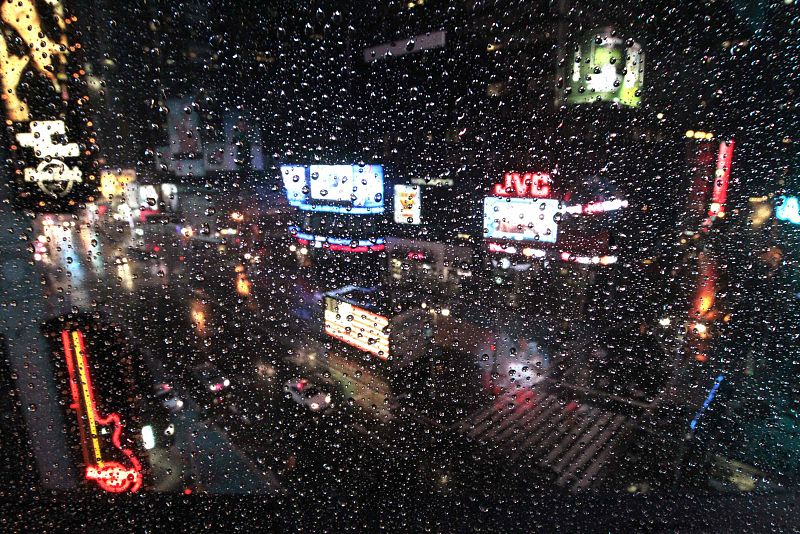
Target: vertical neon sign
[
  {"x": 722, "y": 175},
  {"x": 111, "y": 476}
]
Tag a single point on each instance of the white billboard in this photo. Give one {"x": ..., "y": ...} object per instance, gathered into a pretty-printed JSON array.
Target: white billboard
[
  {"x": 357, "y": 327},
  {"x": 407, "y": 204},
  {"x": 521, "y": 219},
  {"x": 350, "y": 189},
  {"x": 332, "y": 182}
]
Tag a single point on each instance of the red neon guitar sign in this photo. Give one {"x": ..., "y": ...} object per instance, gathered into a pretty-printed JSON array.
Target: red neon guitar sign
[
  {"x": 111, "y": 476},
  {"x": 529, "y": 184}
]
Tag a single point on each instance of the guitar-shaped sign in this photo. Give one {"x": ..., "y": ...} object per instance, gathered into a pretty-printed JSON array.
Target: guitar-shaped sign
[{"x": 96, "y": 431}]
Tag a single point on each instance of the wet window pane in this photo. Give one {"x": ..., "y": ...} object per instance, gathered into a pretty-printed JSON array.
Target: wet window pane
[{"x": 415, "y": 266}]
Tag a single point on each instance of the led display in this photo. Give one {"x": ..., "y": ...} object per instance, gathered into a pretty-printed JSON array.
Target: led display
[
  {"x": 407, "y": 204},
  {"x": 521, "y": 219},
  {"x": 357, "y": 327},
  {"x": 351, "y": 189}
]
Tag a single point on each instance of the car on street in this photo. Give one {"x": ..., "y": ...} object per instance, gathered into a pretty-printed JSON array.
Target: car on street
[
  {"x": 304, "y": 393},
  {"x": 169, "y": 399}
]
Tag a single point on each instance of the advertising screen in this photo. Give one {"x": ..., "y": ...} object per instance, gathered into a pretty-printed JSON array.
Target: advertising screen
[
  {"x": 606, "y": 68},
  {"x": 351, "y": 189},
  {"x": 332, "y": 182},
  {"x": 521, "y": 219},
  {"x": 295, "y": 182},
  {"x": 407, "y": 204},
  {"x": 357, "y": 327},
  {"x": 115, "y": 184}
]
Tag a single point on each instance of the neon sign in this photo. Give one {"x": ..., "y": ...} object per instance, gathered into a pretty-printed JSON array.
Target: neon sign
[
  {"x": 722, "y": 175},
  {"x": 594, "y": 208},
  {"x": 709, "y": 398},
  {"x": 529, "y": 184},
  {"x": 111, "y": 476},
  {"x": 338, "y": 244},
  {"x": 788, "y": 209},
  {"x": 588, "y": 260}
]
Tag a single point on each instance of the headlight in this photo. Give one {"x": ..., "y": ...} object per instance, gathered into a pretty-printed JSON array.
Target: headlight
[
  {"x": 315, "y": 406},
  {"x": 328, "y": 399},
  {"x": 148, "y": 439}
]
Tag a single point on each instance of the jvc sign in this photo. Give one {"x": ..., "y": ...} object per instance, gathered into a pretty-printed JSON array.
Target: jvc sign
[{"x": 523, "y": 185}]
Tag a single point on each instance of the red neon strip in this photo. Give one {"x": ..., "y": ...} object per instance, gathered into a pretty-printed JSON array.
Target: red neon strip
[
  {"x": 112, "y": 476},
  {"x": 721, "y": 178},
  {"x": 144, "y": 213},
  {"x": 360, "y": 248},
  {"x": 73, "y": 387},
  {"x": 346, "y": 248}
]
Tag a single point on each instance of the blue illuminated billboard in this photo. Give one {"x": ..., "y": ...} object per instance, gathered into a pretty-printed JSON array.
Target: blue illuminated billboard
[{"x": 351, "y": 189}]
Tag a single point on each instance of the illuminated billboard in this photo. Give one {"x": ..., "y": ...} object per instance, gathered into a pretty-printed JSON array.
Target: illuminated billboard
[
  {"x": 407, "y": 204},
  {"x": 521, "y": 219},
  {"x": 333, "y": 183},
  {"x": 352, "y": 189},
  {"x": 788, "y": 209},
  {"x": 606, "y": 68},
  {"x": 357, "y": 327},
  {"x": 49, "y": 131},
  {"x": 529, "y": 184}
]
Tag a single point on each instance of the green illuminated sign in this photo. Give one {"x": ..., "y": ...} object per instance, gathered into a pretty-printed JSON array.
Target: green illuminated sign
[{"x": 606, "y": 68}]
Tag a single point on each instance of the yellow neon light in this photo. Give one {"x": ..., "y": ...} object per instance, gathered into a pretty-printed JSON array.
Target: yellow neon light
[{"x": 87, "y": 397}]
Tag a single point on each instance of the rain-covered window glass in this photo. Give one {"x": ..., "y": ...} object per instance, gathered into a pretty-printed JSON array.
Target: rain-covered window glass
[{"x": 424, "y": 265}]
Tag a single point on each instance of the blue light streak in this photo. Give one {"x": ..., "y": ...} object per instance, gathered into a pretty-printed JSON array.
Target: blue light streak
[{"x": 709, "y": 398}]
